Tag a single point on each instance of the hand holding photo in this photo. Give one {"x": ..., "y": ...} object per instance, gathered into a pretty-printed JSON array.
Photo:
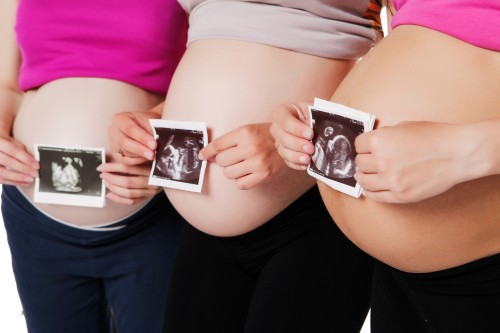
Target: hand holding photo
[
  {"x": 335, "y": 128},
  {"x": 68, "y": 176},
  {"x": 177, "y": 164}
]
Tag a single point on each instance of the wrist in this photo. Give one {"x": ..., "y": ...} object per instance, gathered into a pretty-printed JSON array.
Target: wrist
[{"x": 481, "y": 151}]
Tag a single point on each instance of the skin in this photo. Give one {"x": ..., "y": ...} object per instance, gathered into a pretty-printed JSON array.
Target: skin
[
  {"x": 446, "y": 185},
  {"x": 70, "y": 112},
  {"x": 17, "y": 166},
  {"x": 390, "y": 172},
  {"x": 241, "y": 152},
  {"x": 42, "y": 118}
]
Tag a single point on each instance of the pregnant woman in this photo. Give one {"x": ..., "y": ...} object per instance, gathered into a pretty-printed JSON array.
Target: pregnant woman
[
  {"x": 439, "y": 268},
  {"x": 263, "y": 258},
  {"x": 79, "y": 64}
]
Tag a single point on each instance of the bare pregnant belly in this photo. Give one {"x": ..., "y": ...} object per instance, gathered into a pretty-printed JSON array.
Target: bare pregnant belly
[
  {"x": 76, "y": 112},
  {"x": 407, "y": 77},
  {"x": 227, "y": 84}
]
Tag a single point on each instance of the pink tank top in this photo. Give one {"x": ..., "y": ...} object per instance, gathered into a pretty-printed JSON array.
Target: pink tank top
[
  {"x": 474, "y": 21},
  {"x": 139, "y": 42}
]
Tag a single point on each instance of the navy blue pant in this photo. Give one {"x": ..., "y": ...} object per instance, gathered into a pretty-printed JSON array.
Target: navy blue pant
[
  {"x": 462, "y": 299},
  {"x": 66, "y": 275},
  {"x": 297, "y": 273}
]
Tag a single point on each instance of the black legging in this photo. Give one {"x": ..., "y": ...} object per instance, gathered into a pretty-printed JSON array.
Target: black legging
[
  {"x": 463, "y": 299},
  {"x": 296, "y": 273}
]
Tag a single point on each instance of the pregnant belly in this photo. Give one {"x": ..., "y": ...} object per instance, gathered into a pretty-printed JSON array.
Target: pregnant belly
[
  {"x": 227, "y": 84},
  {"x": 76, "y": 112},
  {"x": 462, "y": 224}
]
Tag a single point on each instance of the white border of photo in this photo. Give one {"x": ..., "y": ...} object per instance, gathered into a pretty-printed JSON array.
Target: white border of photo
[
  {"x": 182, "y": 125},
  {"x": 70, "y": 199},
  {"x": 368, "y": 121}
]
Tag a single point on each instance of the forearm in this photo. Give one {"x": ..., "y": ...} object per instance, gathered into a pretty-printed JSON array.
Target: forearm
[
  {"x": 10, "y": 96},
  {"x": 10, "y": 101}
]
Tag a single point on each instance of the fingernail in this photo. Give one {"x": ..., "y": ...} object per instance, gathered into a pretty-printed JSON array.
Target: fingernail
[
  {"x": 35, "y": 165},
  {"x": 201, "y": 156},
  {"x": 34, "y": 174},
  {"x": 151, "y": 144},
  {"x": 307, "y": 149},
  {"x": 28, "y": 180},
  {"x": 307, "y": 133},
  {"x": 303, "y": 159},
  {"x": 99, "y": 168},
  {"x": 149, "y": 155}
]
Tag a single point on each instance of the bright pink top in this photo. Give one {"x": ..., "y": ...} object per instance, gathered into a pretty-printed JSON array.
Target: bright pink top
[
  {"x": 138, "y": 42},
  {"x": 474, "y": 21}
]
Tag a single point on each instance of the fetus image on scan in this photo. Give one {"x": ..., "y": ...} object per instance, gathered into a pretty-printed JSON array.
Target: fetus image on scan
[
  {"x": 334, "y": 153},
  {"x": 178, "y": 159},
  {"x": 65, "y": 175}
]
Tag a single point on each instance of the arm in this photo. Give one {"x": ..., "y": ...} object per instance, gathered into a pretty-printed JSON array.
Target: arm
[
  {"x": 127, "y": 179},
  {"x": 247, "y": 155},
  {"x": 17, "y": 166},
  {"x": 413, "y": 161}
]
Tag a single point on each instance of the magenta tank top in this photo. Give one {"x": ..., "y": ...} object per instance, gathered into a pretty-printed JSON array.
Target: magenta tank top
[
  {"x": 139, "y": 42},
  {"x": 476, "y": 22}
]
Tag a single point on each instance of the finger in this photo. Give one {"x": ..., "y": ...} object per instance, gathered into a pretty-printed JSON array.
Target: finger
[
  {"x": 296, "y": 144},
  {"x": 291, "y": 141},
  {"x": 366, "y": 163},
  {"x": 237, "y": 170},
  {"x": 248, "y": 181},
  {"x": 371, "y": 182},
  {"x": 251, "y": 173},
  {"x": 136, "y": 170},
  {"x": 121, "y": 200},
  {"x": 9, "y": 177},
  {"x": 231, "y": 156},
  {"x": 126, "y": 181},
  {"x": 294, "y": 157},
  {"x": 286, "y": 120},
  {"x": 207, "y": 153},
  {"x": 134, "y": 149},
  {"x": 301, "y": 111},
  {"x": 299, "y": 167},
  {"x": 17, "y": 151},
  {"x": 134, "y": 126},
  {"x": 124, "y": 200},
  {"x": 218, "y": 145},
  {"x": 131, "y": 160},
  {"x": 15, "y": 165},
  {"x": 236, "y": 164},
  {"x": 123, "y": 137},
  {"x": 13, "y": 183},
  {"x": 382, "y": 196},
  {"x": 129, "y": 192},
  {"x": 364, "y": 142}
]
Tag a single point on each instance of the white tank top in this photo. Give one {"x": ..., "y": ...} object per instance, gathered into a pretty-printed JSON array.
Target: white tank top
[{"x": 336, "y": 29}]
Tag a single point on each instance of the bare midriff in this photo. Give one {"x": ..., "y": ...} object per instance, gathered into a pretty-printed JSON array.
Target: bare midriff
[
  {"x": 410, "y": 76},
  {"x": 77, "y": 112},
  {"x": 227, "y": 84}
]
